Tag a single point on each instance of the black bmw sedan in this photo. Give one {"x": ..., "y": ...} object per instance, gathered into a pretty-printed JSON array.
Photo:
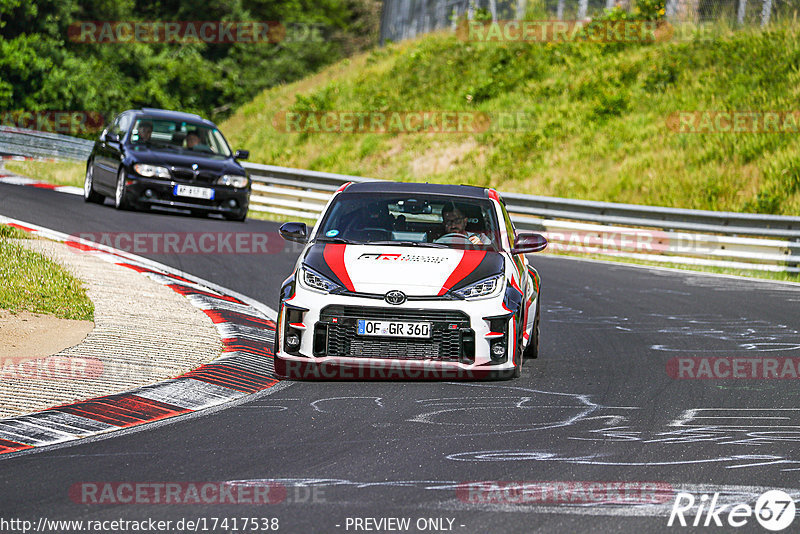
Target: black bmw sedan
[{"x": 158, "y": 158}]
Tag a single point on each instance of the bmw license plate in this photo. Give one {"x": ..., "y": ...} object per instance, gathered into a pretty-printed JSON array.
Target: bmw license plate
[
  {"x": 393, "y": 328},
  {"x": 193, "y": 192}
]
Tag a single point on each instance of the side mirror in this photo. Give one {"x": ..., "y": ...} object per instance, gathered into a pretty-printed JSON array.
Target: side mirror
[
  {"x": 294, "y": 231},
  {"x": 527, "y": 242},
  {"x": 111, "y": 137},
  {"x": 241, "y": 154}
]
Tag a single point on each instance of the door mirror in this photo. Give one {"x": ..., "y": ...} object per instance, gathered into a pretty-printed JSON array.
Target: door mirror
[
  {"x": 294, "y": 231},
  {"x": 111, "y": 137},
  {"x": 527, "y": 242},
  {"x": 241, "y": 154}
]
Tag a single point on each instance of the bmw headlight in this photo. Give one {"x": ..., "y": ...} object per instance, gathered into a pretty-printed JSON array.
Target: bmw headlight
[
  {"x": 233, "y": 180},
  {"x": 485, "y": 288},
  {"x": 315, "y": 281},
  {"x": 151, "y": 171}
]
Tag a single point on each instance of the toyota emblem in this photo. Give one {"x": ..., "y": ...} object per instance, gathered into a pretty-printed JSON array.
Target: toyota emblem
[{"x": 395, "y": 297}]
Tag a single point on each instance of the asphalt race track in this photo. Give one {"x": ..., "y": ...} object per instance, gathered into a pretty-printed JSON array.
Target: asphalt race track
[{"x": 598, "y": 407}]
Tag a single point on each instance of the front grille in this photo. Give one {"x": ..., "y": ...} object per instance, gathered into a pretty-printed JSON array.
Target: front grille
[
  {"x": 183, "y": 174},
  {"x": 451, "y": 339},
  {"x": 204, "y": 177}
]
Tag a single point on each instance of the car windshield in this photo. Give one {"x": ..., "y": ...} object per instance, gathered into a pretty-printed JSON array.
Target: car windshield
[
  {"x": 197, "y": 139},
  {"x": 411, "y": 220}
]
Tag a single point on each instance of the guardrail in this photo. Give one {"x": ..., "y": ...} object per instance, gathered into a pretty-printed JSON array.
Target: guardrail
[
  {"x": 36, "y": 144},
  {"x": 667, "y": 235}
]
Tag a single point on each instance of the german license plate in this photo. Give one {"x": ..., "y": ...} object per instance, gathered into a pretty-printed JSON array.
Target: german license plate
[
  {"x": 193, "y": 192},
  {"x": 393, "y": 328}
]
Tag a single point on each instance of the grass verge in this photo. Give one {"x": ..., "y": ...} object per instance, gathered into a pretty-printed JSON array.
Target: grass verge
[
  {"x": 34, "y": 283},
  {"x": 51, "y": 172}
]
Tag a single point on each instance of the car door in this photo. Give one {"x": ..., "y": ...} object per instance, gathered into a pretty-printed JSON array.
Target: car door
[{"x": 109, "y": 154}]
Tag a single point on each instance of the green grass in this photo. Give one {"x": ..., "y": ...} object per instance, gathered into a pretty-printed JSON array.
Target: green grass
[
  {"x": 598, "y": 118},
  {"x": 51, "y": 172},
  {"x": 34, "y": 283}
]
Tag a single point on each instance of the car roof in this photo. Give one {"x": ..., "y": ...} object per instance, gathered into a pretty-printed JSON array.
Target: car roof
[
  {"x": 156, "y": 113},
  {"x": 469, "y": 191}
]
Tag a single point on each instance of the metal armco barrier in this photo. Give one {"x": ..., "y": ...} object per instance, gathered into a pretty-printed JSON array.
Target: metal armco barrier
[
  {"x": 667, "y": 235},
  {"x": 36, "y": 144}
]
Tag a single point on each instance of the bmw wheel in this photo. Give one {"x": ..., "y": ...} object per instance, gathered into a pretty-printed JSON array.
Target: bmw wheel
[
  {"x": 89, "y": 194},
  {"x": 120, "y": 202}
]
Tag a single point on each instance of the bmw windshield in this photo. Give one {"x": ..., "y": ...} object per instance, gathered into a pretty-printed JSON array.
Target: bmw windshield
[{"x": 183, "y": 136}]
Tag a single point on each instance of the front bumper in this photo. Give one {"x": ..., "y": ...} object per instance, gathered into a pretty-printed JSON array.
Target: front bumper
[
  {"x": 463, "y": 334},
  {"x": 153, "y": 192}
]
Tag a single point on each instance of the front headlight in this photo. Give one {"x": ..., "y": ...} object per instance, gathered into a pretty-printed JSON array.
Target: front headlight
[
  {"x": 487, "y": 287},
  {"x": 233, "y": 180},
  {"x": 315, "y": 281},
  {"x": 151, "y": 171}
]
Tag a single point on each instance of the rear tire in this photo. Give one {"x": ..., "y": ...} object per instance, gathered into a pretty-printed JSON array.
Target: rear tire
[{"x": 89, "y": 194}]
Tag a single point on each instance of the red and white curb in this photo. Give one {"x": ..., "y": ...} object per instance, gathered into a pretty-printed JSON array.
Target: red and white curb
[
  {"x": 246, "y": 366},
  {"x": 14, "y": 179}
]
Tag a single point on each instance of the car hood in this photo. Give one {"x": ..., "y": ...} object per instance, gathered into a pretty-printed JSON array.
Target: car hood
[
  {"x": 143, "y": 154},
  {"x": 416, "y": 271}
]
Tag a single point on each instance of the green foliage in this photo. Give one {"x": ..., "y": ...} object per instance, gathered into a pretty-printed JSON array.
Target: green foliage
[
  {"x": 597, "y": 115},
  {"x": 42, "y": 69}
]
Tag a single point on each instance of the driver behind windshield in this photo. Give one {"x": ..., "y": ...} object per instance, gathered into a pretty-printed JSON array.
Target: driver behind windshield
[
  {"x": 455, "y": 225},
  {"x": 143, "y": 131}
]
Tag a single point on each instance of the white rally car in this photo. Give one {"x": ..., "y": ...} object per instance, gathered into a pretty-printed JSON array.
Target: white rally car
[{"x": 384, "y": 289}]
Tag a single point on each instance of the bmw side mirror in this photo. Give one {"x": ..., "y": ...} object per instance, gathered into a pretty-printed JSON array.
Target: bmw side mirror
[
  {"x": 111, "y": 137},
  {"x": 241, "y": 154},
  {"x": 527, "y": 242},
  {"x": 294, "y": 231}
]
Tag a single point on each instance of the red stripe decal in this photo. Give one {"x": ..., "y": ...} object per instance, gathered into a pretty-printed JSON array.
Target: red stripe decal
[
  {"x": 469, "y": 262},
  {"x": 334, "y": 257}
]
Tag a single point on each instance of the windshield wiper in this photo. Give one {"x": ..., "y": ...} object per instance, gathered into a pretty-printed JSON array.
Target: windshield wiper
[
  {"x": 338, "y": 240},
  {"x": 410, "y": 243}
]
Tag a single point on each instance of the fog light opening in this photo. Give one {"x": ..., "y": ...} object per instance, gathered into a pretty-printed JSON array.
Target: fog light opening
[
  {"x": 498, "y": 351},
  {"x": 232, "y": 204},
  {"x": 148, "y": 193},
  {"x": 293, "y": 340}
]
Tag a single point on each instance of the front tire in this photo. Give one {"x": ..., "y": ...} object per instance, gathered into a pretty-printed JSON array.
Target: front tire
[
  {"x": 120, "y": 195},
  {"x": 238, "y": 217},
  {"x": 532, "y": 350},
  {"x": 89, "y": 194}
]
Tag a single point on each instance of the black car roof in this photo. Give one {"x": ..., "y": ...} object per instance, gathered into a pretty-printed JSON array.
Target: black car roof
[
  {"x": 156, "y": 113},
  {"x": 470, "y": 191}
]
